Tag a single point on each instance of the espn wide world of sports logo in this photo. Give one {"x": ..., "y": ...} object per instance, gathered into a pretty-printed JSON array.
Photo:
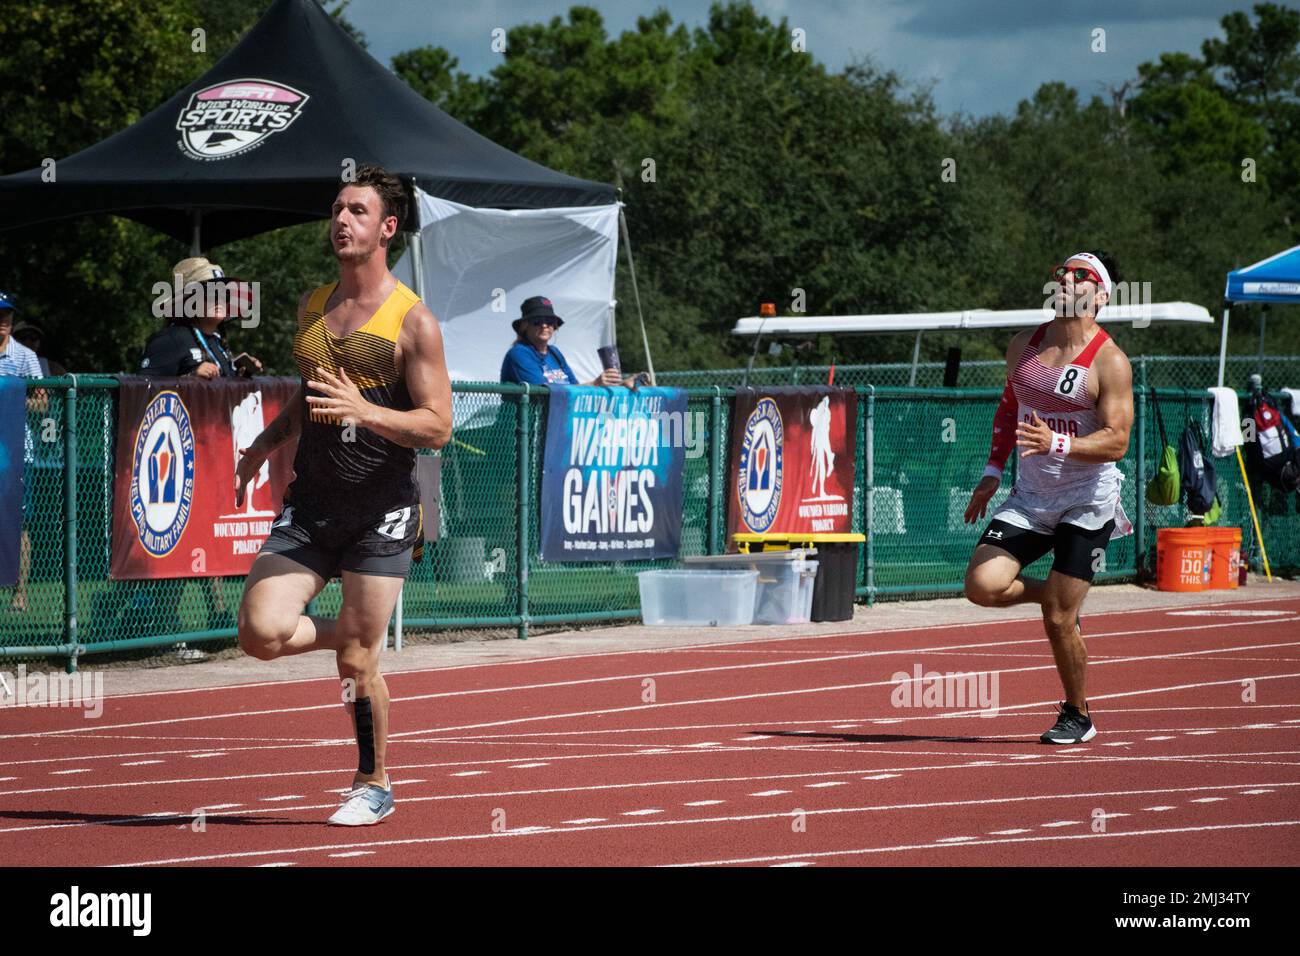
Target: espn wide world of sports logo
[{"x": 41, "y": 689}]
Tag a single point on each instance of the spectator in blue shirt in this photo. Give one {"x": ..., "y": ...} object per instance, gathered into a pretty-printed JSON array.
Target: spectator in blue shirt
[{"x": 534, "y": 360}]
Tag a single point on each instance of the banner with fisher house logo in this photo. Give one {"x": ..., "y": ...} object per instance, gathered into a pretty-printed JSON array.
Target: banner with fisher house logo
[
  {"x": 792, "y": 461},
  {"x": 174, "y": 512}
]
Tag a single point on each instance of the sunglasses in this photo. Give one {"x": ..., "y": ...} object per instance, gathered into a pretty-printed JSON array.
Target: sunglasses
[
  {"x": 1080, "y": 273},
  {"x": 542, "y": 321}
]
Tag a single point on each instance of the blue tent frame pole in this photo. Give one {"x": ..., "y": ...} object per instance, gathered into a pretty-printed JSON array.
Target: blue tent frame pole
[{"x": 1223, "y": 341}]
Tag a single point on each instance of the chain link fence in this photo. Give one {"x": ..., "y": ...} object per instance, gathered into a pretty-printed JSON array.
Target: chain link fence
[
  {"x": 1156, "y": 371},
  {"x": 919, "y": 453}
]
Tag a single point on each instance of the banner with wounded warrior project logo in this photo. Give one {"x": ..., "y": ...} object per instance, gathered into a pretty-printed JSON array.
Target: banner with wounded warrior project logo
[
  {"x": 174, "y": 513},
  {"x": 791, "y": 467},
  {"x": 612, "y": 473}
]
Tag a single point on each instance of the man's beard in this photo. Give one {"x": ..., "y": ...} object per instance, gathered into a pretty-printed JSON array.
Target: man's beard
[{"x": 354, "y": 253}]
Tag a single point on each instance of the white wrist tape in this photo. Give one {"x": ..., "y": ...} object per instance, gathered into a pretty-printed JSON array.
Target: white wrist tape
[
  {"x": 992, "y": 471},
  {"x": 1060, "y": 444}
]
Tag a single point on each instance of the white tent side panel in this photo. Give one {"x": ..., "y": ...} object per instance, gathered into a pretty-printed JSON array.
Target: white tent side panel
[{"x": 481, "y": 264}]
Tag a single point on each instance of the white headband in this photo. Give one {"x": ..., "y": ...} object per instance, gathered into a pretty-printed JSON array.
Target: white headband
[{"x": 1100, "y": 269}]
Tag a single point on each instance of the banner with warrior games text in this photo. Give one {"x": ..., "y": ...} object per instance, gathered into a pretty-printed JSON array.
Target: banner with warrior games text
[
  {"x": 174, "y": 513},
  {"x": 612, "y": 473},
  {"x": 792, "y": 451}
]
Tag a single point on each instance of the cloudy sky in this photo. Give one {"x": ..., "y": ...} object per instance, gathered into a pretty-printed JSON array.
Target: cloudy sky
[{"x": 982, "y": 56}]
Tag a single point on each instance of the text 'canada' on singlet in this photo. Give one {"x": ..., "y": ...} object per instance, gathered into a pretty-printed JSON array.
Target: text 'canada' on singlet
[
  {"x": 353, "y": 468},
  {"x": 1060, "y": 397}
]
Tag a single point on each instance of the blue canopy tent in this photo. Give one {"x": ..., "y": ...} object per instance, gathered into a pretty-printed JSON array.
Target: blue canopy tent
[{"x": 1275, "y": 279}]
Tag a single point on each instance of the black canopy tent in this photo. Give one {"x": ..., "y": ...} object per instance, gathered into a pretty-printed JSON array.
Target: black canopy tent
[{"x": 261, "y": 140}]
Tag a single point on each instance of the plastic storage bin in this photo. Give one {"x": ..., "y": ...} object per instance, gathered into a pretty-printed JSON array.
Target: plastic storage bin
[
  {"x": 701, "y": 597},
  {"x": 784, "y": 592},
  {"x": 837, "y": 574},
  {"x": 786, "y": 582}
]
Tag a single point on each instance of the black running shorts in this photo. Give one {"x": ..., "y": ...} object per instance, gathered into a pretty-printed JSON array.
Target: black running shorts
[
  {"x": 1077, "y": 549},
  {"x": 382, "y": 544}
]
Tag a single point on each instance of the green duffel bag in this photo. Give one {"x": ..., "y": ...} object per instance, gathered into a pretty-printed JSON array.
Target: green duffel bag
[{"x": 1166, "y": 487}]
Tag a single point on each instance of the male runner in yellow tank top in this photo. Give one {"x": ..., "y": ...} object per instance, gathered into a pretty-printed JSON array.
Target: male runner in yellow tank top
[{"x": 375, "y": 389}]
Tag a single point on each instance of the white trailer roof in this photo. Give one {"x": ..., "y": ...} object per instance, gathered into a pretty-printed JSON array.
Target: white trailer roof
[{"x": 970, "y": 319}]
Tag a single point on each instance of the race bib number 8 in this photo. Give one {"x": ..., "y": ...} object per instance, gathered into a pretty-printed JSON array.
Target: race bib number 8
[{"x": 1070, "y": 380}]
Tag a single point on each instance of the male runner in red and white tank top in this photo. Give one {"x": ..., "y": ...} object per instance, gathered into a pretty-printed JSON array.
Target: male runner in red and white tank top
[{"x": 1068, "y": 406}]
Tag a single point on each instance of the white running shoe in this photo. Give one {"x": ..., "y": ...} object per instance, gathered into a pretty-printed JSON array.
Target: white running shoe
[{"x": 364, "y": 805}]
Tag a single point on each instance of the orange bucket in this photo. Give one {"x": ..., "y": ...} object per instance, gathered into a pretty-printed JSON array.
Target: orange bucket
[
  {"x": 1226, "y": 545},
  {"x": 1184, "y": 559}
]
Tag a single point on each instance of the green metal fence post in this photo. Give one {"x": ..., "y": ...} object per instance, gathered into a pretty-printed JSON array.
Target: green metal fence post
[
  {"x": 1139, "y": 529},
  {"x": 869, "y": 486},
  {"x": 716, "y": 476},
  {"x": 70, "y": 524},
  {"x": 524, "y": 433}
]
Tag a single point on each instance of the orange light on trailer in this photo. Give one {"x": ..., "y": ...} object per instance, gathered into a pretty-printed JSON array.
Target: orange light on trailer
[{"x": 767, "y": 310}]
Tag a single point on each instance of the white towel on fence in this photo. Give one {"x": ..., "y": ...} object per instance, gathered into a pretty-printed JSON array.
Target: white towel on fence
[
  {"x": 1294, "y": 393},
  {"x": 1226, "y": 422}
]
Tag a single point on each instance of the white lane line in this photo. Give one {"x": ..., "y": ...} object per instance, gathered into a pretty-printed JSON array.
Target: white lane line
[
  {"x": 141, "y": 763},
  {"x": 204, "y": 756},
  {"x": 467, "y": 773},
  {"x": 1160, "y": 738},
  {"x": 713, "y": 803},
  {"x": 1014, "y": 832},
  {"x": 769, "y": 793},
  {"x": 585, "y": 820},
  {"x": 58, "y": 773},
  {"x": 795, "y": 863},
  {"x": 1159, "y": 809},
  {"x": 353, "y": 853},
  {"x": 956, "y": 839},
  {"x": 528, "y": 766},
  {"x": 724, "y": 667},
  {"x": 1039, "y": 838},
  {"x": 1254, "y": 792},
  {"x": 828, "y": 783},
  {"x": 708, "y": 743},
  {"x": 802, "y": 638},
  {"x": 842, "y": 726},
  {"x": 396, "y": 782},
  {"x": 546, "y": 831},
  {"x": 641, "y": 813},
  {"x": 288, "y": 863},
  {"x": 288, "y": 796},
  {"x": 220, "y": 806},
  {"x": 1208, "y": 800},
  {"x": 1060, "y": 823},
  {"x": 1200, "y": 733},
  {"x": 883, "y": 774}
]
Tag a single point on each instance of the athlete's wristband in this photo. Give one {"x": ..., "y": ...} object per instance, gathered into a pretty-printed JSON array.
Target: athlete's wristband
[
  {"x": 1060, "y": 444},
  {"x": 993, "y": 471}
]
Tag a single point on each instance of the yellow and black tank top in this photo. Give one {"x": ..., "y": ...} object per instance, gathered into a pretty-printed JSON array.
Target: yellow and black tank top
[{"x": 354, "y": 469}]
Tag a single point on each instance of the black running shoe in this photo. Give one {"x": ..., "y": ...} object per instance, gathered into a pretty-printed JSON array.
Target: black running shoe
[{"x": 1072, "y": 727}]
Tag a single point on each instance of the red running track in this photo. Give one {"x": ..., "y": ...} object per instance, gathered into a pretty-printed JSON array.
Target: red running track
[{"x": 787, "y": 752}]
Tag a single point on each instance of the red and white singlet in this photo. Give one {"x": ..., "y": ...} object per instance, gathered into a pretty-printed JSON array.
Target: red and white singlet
[{"x": 1060, "y": 397}]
